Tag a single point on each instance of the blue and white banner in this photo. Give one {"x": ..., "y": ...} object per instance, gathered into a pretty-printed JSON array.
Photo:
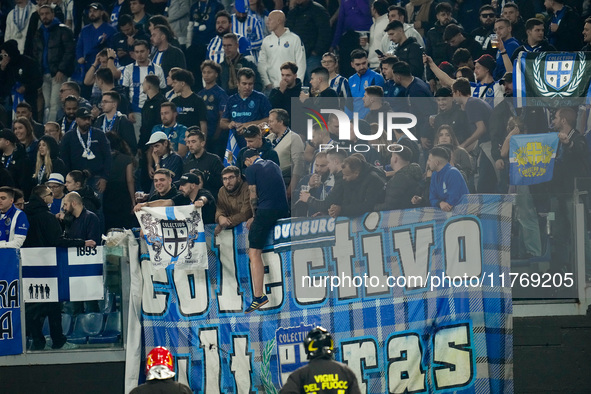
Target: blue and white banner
[
  {"x": 232, "y": 150},
  {"x": 384, "y": 290},
  {"x": 175, "y": 235},
  {"x": 62, "y": 274},
  {"x": 11, "y": 341},
  {"x": 532, "y": 157},
  {"x": 303, "y": 233}
]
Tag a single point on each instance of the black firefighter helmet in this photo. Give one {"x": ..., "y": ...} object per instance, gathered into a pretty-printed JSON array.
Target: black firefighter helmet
[{"x": 318, "y": 343}]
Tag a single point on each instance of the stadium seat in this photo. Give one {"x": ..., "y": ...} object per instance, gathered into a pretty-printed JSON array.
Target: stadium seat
[
  {"x": 85, "y": 325},
  {"x": 112, "y": 331},
  {"x": 66, "y": 326}
]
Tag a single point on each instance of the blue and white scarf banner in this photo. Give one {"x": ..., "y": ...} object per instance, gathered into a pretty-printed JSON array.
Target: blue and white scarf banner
[
  {"x": 63, "y": 274},
  {"x": 412, "y": 333},
  {"x": 11, "y": 340},
  {"x": 175, "y": 235}
]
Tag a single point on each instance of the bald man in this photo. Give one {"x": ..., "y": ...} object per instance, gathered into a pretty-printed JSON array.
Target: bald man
[
  {"x": 279, "y": 47},
  {"x": 80, "y": 222}
]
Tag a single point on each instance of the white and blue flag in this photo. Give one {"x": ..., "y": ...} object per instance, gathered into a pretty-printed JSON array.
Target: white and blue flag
[
  {"x": 62, "y": 274},
  {"x": 232, "y": 150},
  {"x": 174, "y": 235}
]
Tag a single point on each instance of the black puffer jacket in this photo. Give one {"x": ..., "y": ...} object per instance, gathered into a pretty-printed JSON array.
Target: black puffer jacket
[
  {"x": 362, "y": 194},
  {"x": 62, "y": 48},
  {"x": 89, "y": 198},
  {"x": 310, "y": 21},
  {"x": 436, "y": 46},
  {"x": 401, "y": 188},
  {"x": 44, "y": 228}
]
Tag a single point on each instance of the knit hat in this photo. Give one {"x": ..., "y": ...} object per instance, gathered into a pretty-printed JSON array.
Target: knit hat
[{"x": 487, "y": 61}]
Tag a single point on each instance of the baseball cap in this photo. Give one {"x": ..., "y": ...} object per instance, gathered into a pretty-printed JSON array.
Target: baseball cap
[
  {"x": 8, "y": 135},
  {"x": 508, "y": 77},
  {"x": 83, "y": 113},
  {"x": 56, "y": 177},
  {"x": 189, "y": 178},
  {"x": 97, "y": 6},
  {"x": 250, "y": 153},
  {"x": 157, "y": 137}
]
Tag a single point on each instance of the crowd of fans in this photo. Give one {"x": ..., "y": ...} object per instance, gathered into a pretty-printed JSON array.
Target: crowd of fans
[{"x": 107, "y": 107}]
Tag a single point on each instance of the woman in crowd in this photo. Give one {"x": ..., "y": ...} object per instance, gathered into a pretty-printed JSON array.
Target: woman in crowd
[
  {"x": 120, "y": 192},
  {"x": 54, "y": 130},
  {"x": 339, "y": 83},
  {"x": 48, "y": 161},
  {"x": 460, "y": 158},
  {"x": 76, "y": 182},
  {"x": 24, "y": 133}
]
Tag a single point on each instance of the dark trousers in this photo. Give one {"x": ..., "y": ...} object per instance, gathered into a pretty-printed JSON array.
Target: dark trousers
[{"x": 35, "y": 317}]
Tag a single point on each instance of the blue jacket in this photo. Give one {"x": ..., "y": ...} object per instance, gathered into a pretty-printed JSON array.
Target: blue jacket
[
  {"x": 92, "y": 40},
  {"x": 447, "y": 185}
]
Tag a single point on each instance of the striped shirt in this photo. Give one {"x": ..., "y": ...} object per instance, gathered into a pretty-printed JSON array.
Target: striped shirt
[
  {"x": 133, "y": 77},
  {"x": 340, "y": 85},
  {"x": 215, "y": 51},
  {"x": 251, "y": 28}
]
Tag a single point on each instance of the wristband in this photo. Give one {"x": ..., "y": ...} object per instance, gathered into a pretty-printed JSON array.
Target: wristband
[
  {"x": 503, "y": 53},
  {"x": 111, "y": 58}
]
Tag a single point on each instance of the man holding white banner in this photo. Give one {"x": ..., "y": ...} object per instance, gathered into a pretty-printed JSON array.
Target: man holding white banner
[{"x": 177, "y": 231}]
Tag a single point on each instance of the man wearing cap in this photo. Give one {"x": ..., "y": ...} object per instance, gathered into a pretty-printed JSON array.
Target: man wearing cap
[
  {"x": 255, "y": 140},
  {"x": 57, "y": 185},
  {"x": 191, "y": 192},
  {"x": 248, "y": 26},
  {"x": 268, "y": 201},
  {"x": 163, "y": 156},
  {"x": 14, "y": 159},
  {"x": 13, "y": 222},
  {"x": 447, "y": 183},
  {"x": 94, "y": 36},
  {"x": 404, "y": 184},
  {"x": 87, "y": 148}
]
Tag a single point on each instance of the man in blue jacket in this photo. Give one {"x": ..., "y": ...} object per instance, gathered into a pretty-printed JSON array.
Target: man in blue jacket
[{"x": 447, "y": 183}]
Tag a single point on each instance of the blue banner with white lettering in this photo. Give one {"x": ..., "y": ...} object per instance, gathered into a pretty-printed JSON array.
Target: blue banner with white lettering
[
  {"x": 11, "y": 340},
  {"x": 532, "y": 157},
  {"x": 413, "y": 298}
]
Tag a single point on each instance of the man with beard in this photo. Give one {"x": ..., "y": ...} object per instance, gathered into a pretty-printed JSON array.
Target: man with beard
[
  {"x": 94, "y": 36},
  {"x": 166, "y": 56},
  {"x": 233, "y": 205},
  {"x": 54, "y": 49},
  {"x": 209, "y": 164},
  {"x": 113, "y": 120},
  {"x": 234, "y": 61},
  {"x": 68, "y": 122},
  {"x": 482, "y": 34},
  {"x": 71, "y": 88},
  {"x": 191, "y": 193},
  {"x": 223, "y": 25},
  {"x": 248, "y": 26},
  {"x": 174, "y": 130},
  {"x": 123, "y": 41},
  {"x": 83, "y": 224},
  {"x": 87, "y": 148},
  {"x": 407, "y": 48}
]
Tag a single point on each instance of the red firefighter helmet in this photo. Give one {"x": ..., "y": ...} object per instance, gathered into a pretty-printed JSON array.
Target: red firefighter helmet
[{"x": 159, "y": 356}]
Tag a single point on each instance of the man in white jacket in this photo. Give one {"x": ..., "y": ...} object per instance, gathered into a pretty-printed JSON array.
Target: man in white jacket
[
  {"x": 279, "y": 47},
  {"x": 379, "y": 12}
]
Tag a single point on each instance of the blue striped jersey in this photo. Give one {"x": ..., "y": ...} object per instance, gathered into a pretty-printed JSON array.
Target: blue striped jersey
[
  {"x": 133, "y": 77},
  {"x": 251, "y": 28},
  {"x": 340, "y": 85}
]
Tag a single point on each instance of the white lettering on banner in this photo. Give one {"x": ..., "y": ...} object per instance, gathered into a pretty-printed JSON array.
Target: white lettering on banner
[
  {"x": 157, "y": 301},
  {"x": 463, "y": 247},
  {"x": 303, "y": 261},
  {"x": 6, "y": 330},
  {"x": 360, "y": 354},
  {"x": 288, "y": 355},
  {"x": 211, "y": 350},
  {"x": 405, "y": 372},
  {"x": 273, "y": 279},
  {"x": 229, "y": 293},
  {"x": 374, "y": 257},
  {"x": 451, "y": 351},
  {"x": 414, "y": 258},
  {"x": 9, "y": 297},
  {"x": 343, "y": 255},
  {"x": 182, "y": 371},
  {"x": 241, "y": 364},
  {"x": 192, "y": 288}
]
